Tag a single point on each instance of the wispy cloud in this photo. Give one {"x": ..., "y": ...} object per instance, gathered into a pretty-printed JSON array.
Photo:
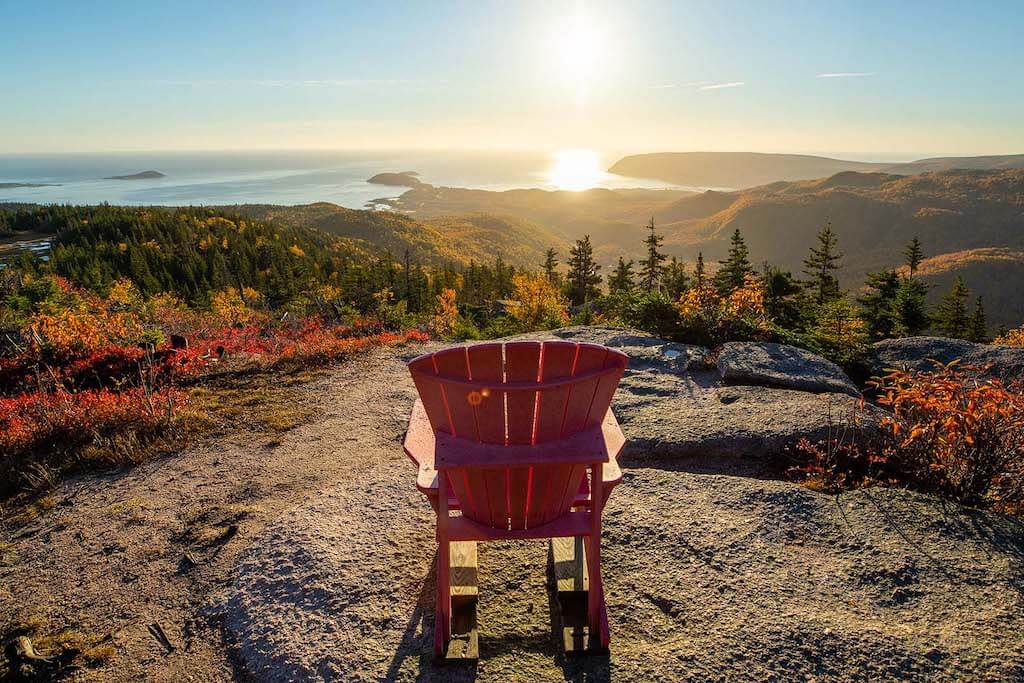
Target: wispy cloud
[
  {"x": 311, "y": 83},
  {"x": 691, "y": 84},
  {"x": 846, "y": 74},
  {"x": 720, "y": 86}
]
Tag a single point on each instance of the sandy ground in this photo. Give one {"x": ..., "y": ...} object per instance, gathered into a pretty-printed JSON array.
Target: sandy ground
[{"x": 714, "y": 571}]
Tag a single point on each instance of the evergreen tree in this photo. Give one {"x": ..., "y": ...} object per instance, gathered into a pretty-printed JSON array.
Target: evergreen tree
[
  {"x": 650, "y": 273},
  {"x": 951, "y": 317},
  {"x": 914, "y": 255},
  {"x": 820, "y": 268},
  {"x": 977, "y": 329},
  {"x": 582, "y": 279},
  {"x": 675, "y": 280},
  {"x": 877, "y": 303},
  {"x": 699, "y": 274},
  {"x": 551, "y": 265},
  {"x": 909, "y": 308},
  {"x": 781, "y": 296},
  {"x": 621, "y": 280},
  {"x": 734, "y": 269}
]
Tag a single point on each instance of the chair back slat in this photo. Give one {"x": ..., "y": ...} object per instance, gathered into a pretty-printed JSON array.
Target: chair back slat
[
  {"x": 606, "y": 387},
  {"x": 486, "y": 365},
  {"x": 431, "y": 394},
  {"x": 454, "y": 363},
  {"x": 557, "y": 361},
  {"x": 552, "y": 485},
  {"x": 522, "y": 363},
  {"x": 519, "y": 483},
  {"x": 589, "y": 358}
]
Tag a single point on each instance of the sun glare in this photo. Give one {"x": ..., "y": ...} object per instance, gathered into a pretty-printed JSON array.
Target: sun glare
[
  {"x": 579, "y": 47},
  {"x": 575, "y": 169}
]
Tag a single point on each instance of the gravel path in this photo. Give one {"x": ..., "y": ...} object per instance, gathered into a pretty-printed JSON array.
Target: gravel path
[{"x": 713, "y": 570}]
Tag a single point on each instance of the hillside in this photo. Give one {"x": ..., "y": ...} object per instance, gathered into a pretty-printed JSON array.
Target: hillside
[
  {"x": 442, "y": 238},
  {"x": 748, "y": 169},
  {"x": 875, "y": 215},
  {"x": 732, "y": 169},
  {"x": 613, "y": 218}
]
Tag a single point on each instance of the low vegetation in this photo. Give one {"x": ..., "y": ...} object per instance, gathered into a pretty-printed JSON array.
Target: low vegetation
[{"x": 951, "y": 432}]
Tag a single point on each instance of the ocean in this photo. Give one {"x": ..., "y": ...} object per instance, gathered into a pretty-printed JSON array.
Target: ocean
[{"x": 213, "y": 178}]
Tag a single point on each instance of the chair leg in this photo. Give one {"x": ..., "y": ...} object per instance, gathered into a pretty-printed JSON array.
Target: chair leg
[
  {"x": 597, "y": 611},
  {"x": 443, "y": 609}
]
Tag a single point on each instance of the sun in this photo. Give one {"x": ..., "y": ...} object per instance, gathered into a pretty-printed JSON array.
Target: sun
[
  {"x": 575, "y": 169},
  {"x": 578, "y": 47}
]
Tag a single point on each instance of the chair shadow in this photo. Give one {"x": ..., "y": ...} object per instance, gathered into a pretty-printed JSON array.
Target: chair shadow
[{"x": 418, "y": 638}]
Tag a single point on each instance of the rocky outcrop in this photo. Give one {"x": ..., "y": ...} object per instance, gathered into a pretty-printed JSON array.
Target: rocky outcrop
[
  {"x": 783, "y": 366},
  {"x": 918, "y": 353},
  {"x": 671, "y": 404}
]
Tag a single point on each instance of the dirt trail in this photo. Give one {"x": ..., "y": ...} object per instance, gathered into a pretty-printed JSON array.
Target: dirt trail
[{"x": 713, "y": 573}]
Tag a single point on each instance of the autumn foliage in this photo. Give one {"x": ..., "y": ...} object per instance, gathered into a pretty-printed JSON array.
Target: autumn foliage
[
  {"x": 93, "y": 378},
  {"x": 953, "y": 432}
]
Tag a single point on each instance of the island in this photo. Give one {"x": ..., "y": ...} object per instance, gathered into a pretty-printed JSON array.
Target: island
[
  {"x": 400, "y": 179},
  {"x": 144, "y": 175},
  {"x": 7, "y": 186}
]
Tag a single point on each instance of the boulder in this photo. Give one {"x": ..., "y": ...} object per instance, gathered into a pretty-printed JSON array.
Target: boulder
[
  {"x": 783, "y": 366},
  {"x": 670, "y": 404},
  {"x": 917, "y": 353}
]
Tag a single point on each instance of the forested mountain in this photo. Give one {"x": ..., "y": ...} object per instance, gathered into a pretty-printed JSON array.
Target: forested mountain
[
  {"x": 453, "y": 239},
  {"x": 748, "y": 169}
]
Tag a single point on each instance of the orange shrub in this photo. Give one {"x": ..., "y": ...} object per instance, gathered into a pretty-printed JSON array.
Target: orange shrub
[{"x": 956, "y": 433}]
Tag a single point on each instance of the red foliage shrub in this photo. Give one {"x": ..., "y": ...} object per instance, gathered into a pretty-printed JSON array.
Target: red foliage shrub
[{"x": 951, "y": 432}]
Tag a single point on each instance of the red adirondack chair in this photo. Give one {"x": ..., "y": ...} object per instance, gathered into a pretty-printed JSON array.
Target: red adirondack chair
[{"x": 519, "y": 439}]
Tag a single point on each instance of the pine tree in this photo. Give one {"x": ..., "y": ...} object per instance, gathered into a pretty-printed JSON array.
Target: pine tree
[
  {"x": 781, "y": 296},
  {"x": 914, "y": 255},
  {"x": 977, "y": 330},
  {"x": 951, "y": 317},
  {"x": 582, "y": 279},
  {"x": 699, "y": 274},
  {"x": 734, "y": 269},
  {"x": 820, "y": 267},
  {"x": 909, "y": 308},
  {"x": 878, "y": 303},
  {"x": 622, "y": 279},
  {"x": 650, "y": 273},
  {"x": 675, "y": 279},
  {"x": 551, "y": 265}
]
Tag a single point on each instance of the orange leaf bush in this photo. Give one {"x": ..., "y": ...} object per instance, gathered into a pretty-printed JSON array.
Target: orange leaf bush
[{"x": 952, "y": 432}]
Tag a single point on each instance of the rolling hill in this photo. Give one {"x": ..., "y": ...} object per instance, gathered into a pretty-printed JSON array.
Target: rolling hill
[
  {"x": 476, "y": 236},
  {"x": 748, "y": 169}
]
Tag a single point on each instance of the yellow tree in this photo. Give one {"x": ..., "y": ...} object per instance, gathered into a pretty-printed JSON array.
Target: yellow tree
[
  {"x": 446, "y": 313},
  {"x": 538, "y": 302}
]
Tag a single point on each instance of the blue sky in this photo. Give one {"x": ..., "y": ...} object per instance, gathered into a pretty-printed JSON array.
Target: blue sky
[{"x": 863, "y": 79}]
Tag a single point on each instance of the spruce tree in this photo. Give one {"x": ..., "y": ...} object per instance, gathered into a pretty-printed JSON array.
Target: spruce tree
[
  {"x": 582, "y": 280},
  {"x": 621, "y": 280},
  {"x": 675, "y": 279},
  {"x": 781, "y": 296},
  {"x": 734, "y": 269},
  {"x": 914, "y": 255},
  {"x": 820, "y": 268},
  {"x": 951, "y": 317},
  {"x": 650, "y": 273},
  {"x": 699, "y": 274},
  {"x": 878, "y": 303},
  {"x": 977, "y": 330},
  {"x": 551, "y": 265}
]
